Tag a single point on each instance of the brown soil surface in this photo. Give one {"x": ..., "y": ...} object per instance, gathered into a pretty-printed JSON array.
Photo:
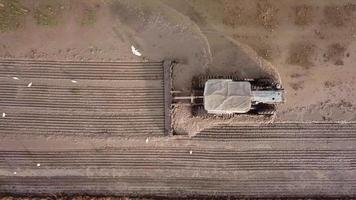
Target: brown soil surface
[
  {"x": 335, "y": 53},
  {"x": 302, "y": 54},
  {"x": 59, "y": 197},
  {"x": 303, "y": 15},
  {"x": 267, "y": 14},
  {"x": 314, "y": 40},
  {"x": 66, "y": 128}
]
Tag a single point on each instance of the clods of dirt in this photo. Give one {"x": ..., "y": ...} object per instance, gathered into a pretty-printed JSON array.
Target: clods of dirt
[
  {"x": 319, "y": 34},
  {"x": 296, "y": 86},
  {"x": 302, "y": 54},
  {"x": 266, "y": 51},
  {"x": 339, "y": 15},
  {"x": 303, "y": 15},
  {"x": 335, "y": 53},
  {"x": 233, "y": 13},
  {"x": 329, "y": 84},
  {"x": 267, "y": 14}
]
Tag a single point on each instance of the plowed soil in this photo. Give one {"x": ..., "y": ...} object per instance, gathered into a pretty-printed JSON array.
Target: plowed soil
[{"x": 81, "y": 113}]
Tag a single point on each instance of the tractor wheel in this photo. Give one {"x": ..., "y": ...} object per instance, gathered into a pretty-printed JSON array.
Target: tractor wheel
[
  {"x": 199, "y": 111},
  {"x": 266, "y": 109}
]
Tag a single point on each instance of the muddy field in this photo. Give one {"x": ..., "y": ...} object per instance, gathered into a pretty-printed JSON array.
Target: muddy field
[{"x": 82, "y": 102}]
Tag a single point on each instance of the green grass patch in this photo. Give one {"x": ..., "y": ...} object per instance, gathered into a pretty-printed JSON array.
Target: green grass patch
[
  {"x": 11, "y": 12},
  {"x": 89, "y": 17},
  {"x": 49, "y": 12},
  {"x": 46, "y": 15}
]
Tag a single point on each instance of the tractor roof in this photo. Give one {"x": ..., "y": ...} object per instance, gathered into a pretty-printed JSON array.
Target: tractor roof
[{"x": 224, "y": 96}]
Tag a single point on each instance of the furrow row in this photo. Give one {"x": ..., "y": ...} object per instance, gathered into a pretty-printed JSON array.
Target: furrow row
[
  {"x": 279, "y": 131},
  {"x": 76, "y": 63},
  {"x": 167, "y": 186}
]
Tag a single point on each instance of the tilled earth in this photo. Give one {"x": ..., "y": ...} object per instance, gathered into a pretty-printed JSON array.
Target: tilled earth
[
  {"x": 82, "y": 114},
  {"x": 76, "y": 133}
]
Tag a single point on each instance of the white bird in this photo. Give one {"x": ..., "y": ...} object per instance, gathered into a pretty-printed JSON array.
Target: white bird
[
  {"x": 3, "y": 114},
  {"x": 15, "y": 78},
  {"x": 135, "y": 51},
  {"x": 29, "y": 85},
  {"x": 190, "y": 152},
  {"x": 74, "y": 81},
  {"x": 38, "y": 164}
]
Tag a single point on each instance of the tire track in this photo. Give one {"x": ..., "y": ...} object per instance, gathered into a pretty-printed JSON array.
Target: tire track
[
  {"x": 81, "y": 70},
  {"x": 79, "y": 124},
  {"x": 52, "y": 106},
  {"x": 145, "y": 185},
  {"x": 78, "y": 63},
  {"x": 180, "y": 159},
  {"x": 278, "y": 131}
]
